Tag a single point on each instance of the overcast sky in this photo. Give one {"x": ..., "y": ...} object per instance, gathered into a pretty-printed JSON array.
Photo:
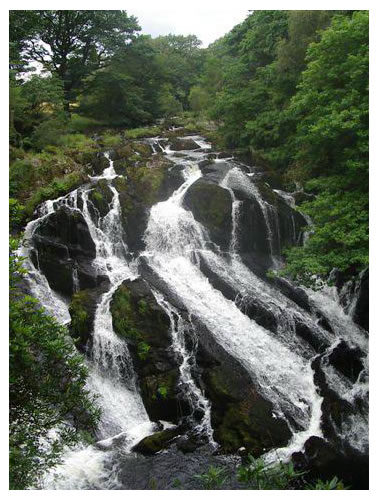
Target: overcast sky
[{"x": 207, "y": 19}]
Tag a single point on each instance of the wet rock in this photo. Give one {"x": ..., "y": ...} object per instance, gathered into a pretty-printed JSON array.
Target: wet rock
[
  {"x": 250, "y": 306},
  {"x": 214, "y": 172},
  {"x": 82, "y": 310},
  {"x": 240, "y": 416},
  {"x": 211, "y": 206},
  {"x": 64, "y": 245},
  {"x": 347, "y": 360},
  {"x": 138, "y": 318},
  {"x": 101, "y": 197},
  {"x": 99, "y": 163},
  {"x": 323, "y": 461},
  {"x": 293, "y": 292},
  {"x": 143, "y": 188},
  {"x": 361, "y": 309},
  {"x": 156, "y": 442},
  {"x": 182, "y": 144}
]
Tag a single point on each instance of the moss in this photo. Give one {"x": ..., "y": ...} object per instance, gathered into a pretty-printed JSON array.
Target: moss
[
  {"x": 143, "y": 306},
  {"x": 101, "y": 196},
  {"x": 58, "y": 187},
  {"x": 156, "y": 442},
  {"x": 142, "y": 350},
  {"x": 160, "y": 386},
  {"x": 80, "y": 326},
  {"x": 142, "y": 148}
]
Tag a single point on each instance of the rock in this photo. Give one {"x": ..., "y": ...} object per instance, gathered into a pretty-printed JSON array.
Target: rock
[
  {"x": 347, "y": 360},
  {"x": 293, "y": 292},
  {"x": 82, "y": 311},
  {"x": 240, "y": 416},
  {"x": 64, "y": 245},
  {"x": 214, "y": 172},
  {"x": 211, "y": 206},
  {"x": 361, "y": 310},
  {"x": 138, "y": 318},
  {"x": 182, "y": 144},
  {"x": 251, "y": 306},
  {"x": 143, "y": 188},
  {"x": 101, "y": 197},
  {"x": 99, "y": 163},
  {"x": 151, "y": 445},
  {"x": 324, "y": 461}
]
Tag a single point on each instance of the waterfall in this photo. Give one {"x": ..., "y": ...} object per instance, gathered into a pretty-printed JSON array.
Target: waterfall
[
  {"x": 283, "y": 377},
  {"x": 278, "y": 360},
  {"x": 191, "y": 391},
  {"x": 111, "y": 375}
]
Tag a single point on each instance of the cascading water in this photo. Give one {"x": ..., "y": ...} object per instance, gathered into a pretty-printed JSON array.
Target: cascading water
[
  {"x": 278, "y": 360},
  {"x": 111, "y": 375}
]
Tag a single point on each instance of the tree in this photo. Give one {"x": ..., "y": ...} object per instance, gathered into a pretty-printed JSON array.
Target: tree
[
  {"x": 331, "y": 159},
  {"x": 181, "y": 60},
  {"x": 71, "y": 44},
  {"x": 126, "y": 91}
]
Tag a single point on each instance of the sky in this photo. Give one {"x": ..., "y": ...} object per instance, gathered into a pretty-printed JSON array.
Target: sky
[{"x": 207, "y": 19}]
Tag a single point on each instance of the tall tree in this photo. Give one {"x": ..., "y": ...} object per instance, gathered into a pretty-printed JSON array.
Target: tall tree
[{"x": 71, "y": 44}]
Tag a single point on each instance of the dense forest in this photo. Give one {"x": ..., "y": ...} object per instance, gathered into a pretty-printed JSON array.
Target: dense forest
[{"x": 284, "y": 91}]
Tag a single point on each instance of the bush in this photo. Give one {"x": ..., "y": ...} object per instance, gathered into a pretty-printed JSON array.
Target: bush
[{"x": 47, "y": 387}]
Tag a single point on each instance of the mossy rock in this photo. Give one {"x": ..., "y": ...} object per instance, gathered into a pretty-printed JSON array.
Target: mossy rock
[
  {"x": 182, "y": 144},
  {"x": 211, "y": 206},
  {"x": 142, "y": 148},
  {"x": 240, "y": 416},
  {"x": 143, "y": 188},
  {"x": 101, "y": 197},
  {"x": 123, "y": 165},
  {"x": 156, "y": 442},
  {"x": 82, "y": 310},
  {"x": 99, "y": 163},
  {"x": 144, "y": 325},
  {"x": 123, "y": 151}
]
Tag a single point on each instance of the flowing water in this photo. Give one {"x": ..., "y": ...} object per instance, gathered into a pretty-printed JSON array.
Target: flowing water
[{"x": 279, "y": 362}]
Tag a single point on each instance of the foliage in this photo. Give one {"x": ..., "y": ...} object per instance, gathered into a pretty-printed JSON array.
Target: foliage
[
  {"x": 258, "y": 476},
  {"x": 213, "y": 479},
  {"x": 254, "y": 474},
  {"x": 334, "y": 484},
  {"x": 72, "y": 44},
  {"x": 49, "y": 404}
]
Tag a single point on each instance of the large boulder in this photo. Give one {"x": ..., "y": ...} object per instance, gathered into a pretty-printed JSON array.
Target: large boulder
[
  {"x": 323, "y": 461},
  {"x": 64, "y": 248},
  {"x": 154, "y": 443},
  {"x": 211, "y": 205},
  {"x": 240, "y": 416},
  {"x": 139, "y": 319}
]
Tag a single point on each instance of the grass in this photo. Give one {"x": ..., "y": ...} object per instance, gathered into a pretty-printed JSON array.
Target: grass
[{"x": 138, "y": 133}]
